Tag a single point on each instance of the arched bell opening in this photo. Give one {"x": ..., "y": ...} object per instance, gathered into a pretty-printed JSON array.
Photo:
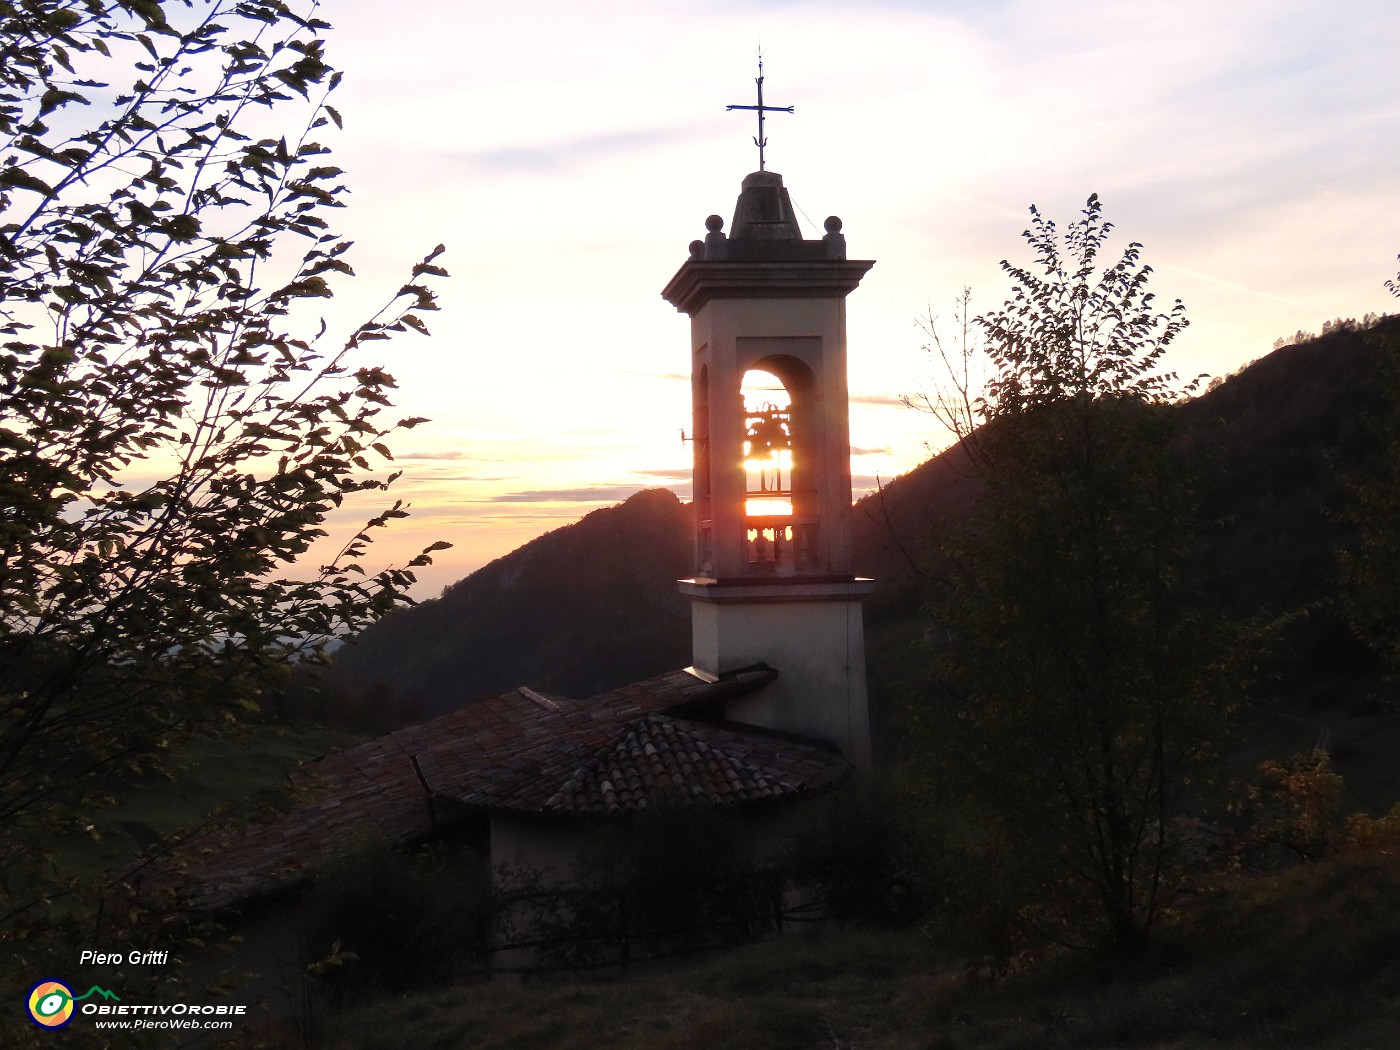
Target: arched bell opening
[
  {"x": 779, "y": 459},
  {"x": 767, "y": 446}
]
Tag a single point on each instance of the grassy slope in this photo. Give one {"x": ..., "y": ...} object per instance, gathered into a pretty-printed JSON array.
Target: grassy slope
[{"x": 1310, "y": 958}]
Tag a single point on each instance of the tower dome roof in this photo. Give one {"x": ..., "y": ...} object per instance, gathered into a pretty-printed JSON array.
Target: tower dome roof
[{"x": 764, "y": 211}]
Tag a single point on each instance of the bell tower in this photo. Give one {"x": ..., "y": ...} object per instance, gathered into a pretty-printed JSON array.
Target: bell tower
[{"x": 772, "y": 496}]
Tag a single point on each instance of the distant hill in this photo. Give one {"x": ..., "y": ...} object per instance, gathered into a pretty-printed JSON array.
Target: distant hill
[
  {"x": 576, "y": 611},
  {"x": 1288, "y": 431},
  {"x": 594, "y": 604}
]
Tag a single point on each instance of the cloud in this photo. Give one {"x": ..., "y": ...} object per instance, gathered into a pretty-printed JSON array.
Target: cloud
[
  {"x": 550, "y": 517},
  {"x": 679, "y": 473},
  {"x": 427, "y": 486},
  {"x": 453, "y": 456},
  {"x": 864, "y": 483},
  {"x": 448, "y": 454},
  {"x": 567, "y": 153},
  {"x": 583, "y": 494},
  {"x": 881, "y": 400},
  {"x": 871, "y": 451}
]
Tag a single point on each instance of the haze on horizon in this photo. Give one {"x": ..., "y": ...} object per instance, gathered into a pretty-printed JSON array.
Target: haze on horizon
[{"x": 567, "y": 155}]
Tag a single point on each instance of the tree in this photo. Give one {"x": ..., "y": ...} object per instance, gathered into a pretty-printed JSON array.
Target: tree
[
  {"x": 172, "y": 439},
  {"x": 1088, "y": 687}
]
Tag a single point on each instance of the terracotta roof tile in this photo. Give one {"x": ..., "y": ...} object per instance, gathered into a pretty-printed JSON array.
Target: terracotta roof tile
[{"x": 659, "y": 760}]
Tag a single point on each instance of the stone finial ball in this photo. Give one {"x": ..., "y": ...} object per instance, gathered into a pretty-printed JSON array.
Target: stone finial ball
[
  {"x": 697, "y": 249},
  {"x": 833, "y": 224},
  {"x": 714, "y": 224}
]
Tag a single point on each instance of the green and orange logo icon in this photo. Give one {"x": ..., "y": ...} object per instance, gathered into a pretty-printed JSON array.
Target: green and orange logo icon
[{"x": 51, "y": 1002}]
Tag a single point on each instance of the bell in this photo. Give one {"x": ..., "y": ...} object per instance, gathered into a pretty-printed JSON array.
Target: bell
[{"x": 768, "y": 433}]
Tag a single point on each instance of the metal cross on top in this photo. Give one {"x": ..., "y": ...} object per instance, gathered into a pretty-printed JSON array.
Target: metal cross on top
[{"x": 760, "y": 141}]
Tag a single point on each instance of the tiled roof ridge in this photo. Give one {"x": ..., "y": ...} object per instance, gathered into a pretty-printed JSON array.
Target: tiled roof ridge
[{"x": 537, "y": 698}]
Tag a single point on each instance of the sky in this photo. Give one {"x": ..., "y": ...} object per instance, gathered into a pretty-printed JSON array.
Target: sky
[{"x": 566, "y": 154}]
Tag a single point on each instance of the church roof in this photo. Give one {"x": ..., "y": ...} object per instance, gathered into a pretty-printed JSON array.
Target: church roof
[{"x": 520, "y": 753}]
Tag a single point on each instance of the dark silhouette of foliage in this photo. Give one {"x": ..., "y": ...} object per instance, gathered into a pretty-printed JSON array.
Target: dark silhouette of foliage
[
  {"x": 865, "y": 862},
  {"x": 172, "y": 438}
]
